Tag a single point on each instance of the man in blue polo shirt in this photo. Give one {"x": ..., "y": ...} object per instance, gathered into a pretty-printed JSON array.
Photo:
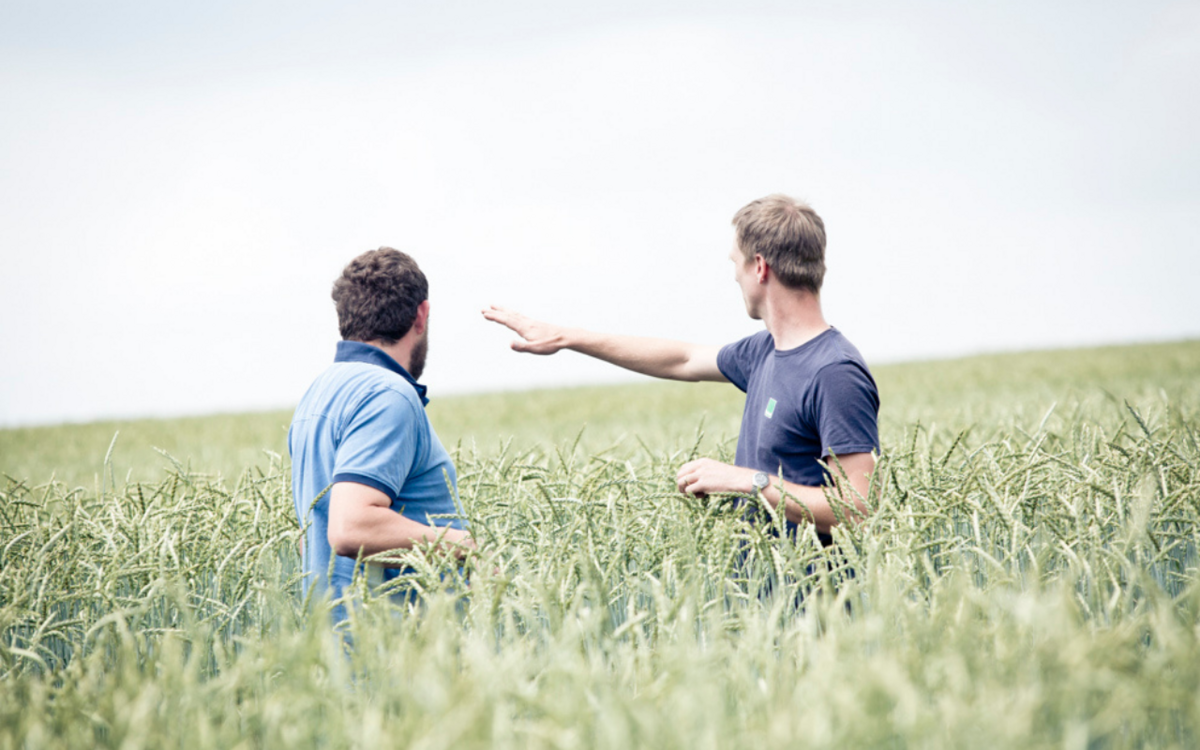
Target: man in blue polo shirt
[
  {"x": 809, "y": 394},
  {"x": 369, "y": 474}
]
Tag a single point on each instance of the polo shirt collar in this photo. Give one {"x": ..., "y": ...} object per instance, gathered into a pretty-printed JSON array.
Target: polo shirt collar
[{"x": 357, "y": 351}]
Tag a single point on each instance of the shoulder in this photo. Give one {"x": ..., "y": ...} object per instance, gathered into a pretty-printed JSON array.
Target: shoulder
[
  {"x": 840, "y": 344},
  {"x": 360, "y": 392},
  {"x": 843, "y": 376},
  {"x": 739, "y": 360},
  {"x": 752, "y": 347},
  {"x": 833, "y": 352},
  {"x": 761, "y": 341},
  {"x": 395, "y": 397}
]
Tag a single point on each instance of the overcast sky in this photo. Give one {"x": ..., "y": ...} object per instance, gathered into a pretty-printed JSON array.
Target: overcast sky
[{"x": 181, "y": 183}]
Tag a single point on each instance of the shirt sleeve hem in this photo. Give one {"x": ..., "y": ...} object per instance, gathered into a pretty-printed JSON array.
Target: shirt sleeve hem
[
  {"x": 845, "y": 450},
  {"x": 722, "y": 360},
  {"x": 371, "y": 482}
]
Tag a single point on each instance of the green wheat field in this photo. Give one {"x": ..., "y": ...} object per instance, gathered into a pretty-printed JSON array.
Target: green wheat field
[{"x": 1028, "y": 579}]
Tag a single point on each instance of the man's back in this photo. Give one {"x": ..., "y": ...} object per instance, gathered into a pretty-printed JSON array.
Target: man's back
[{"x": 363, "y": 421}]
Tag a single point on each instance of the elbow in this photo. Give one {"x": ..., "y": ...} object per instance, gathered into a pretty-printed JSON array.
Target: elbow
[
  {"x": 850, "y": 515},
  {"x": 682, "y": 371},
  {"x": 856, "y": 515},
  {"x": 344, "y": 541},
  {"x": 343, "y": 547},
  {"x": 860, "y": 513},
  {"x": 347, "y": 550}
]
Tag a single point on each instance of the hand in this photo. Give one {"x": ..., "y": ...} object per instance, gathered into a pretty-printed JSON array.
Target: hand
[
  {"x": 704, "y": 475},
  {"x": 539, "y": 338},
  {"x": 461, "y": 544}
]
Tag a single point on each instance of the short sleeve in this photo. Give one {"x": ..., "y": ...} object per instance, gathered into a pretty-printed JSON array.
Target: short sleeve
[
  {"x": 846, "y": 405},
  {"x": 379, "y": 444},
  {"x": 738, "y": 361}
]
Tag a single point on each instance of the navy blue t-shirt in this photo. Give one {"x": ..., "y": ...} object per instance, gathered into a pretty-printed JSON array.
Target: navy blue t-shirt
[{"x": 802, "y": 404}]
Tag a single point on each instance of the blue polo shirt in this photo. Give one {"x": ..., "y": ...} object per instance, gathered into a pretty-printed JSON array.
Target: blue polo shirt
[{"x": 363, "y": 420}]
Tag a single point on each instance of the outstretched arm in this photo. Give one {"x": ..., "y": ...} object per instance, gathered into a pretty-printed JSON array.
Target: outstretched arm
[{"x": 662, "y": 358}]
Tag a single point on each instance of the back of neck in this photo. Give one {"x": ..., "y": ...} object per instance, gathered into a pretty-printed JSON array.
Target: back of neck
[{"x": 794, "y": 318}]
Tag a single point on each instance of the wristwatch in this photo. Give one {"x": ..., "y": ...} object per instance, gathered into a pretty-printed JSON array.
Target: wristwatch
[{"x": 760, "y": 481}]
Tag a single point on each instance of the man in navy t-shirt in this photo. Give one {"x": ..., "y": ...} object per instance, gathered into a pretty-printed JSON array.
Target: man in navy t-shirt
[{"x": 809, "y": 394}]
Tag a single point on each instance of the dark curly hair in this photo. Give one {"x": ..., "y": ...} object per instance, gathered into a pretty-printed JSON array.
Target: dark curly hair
[{"x": 377, "y": 296}]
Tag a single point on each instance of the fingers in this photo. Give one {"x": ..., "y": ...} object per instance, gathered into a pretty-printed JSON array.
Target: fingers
[
  {"x": 506, "y": 318},
  {"x": 500, "y": 315},
  {"x": 510, "y": 320},
  {"x": 689, "y": 482},
  {"x": 515, "y": 322},
  {"x": 534, "y": 347},
  {"x": 702, "y": 476},
  {"x": 536, "y": 337},
  {"x": 685, "y": 477}
]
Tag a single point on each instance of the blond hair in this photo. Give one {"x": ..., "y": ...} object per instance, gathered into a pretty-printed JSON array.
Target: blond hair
[{"x": 789, "y": 236}]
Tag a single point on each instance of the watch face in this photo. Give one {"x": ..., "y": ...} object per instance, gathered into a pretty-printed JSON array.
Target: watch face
[{"x": 761, "y": 480}]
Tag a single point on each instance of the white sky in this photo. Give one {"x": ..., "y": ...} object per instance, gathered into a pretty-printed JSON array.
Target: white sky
[{"x": 181, "y": 183}]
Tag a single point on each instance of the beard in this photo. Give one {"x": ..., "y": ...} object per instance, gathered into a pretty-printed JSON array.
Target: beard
[{"x": 416, "y": 364}]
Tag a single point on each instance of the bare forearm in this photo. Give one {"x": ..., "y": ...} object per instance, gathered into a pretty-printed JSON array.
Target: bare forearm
[
  {"x": 824, "y": 507},
  {"x": 660, "y": 358},
  {"x": 373, "y": 530},
  {"x": 815, "y": 505}
]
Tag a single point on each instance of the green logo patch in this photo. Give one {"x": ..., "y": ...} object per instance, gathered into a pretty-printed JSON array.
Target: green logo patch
[{"x": 770, "y": 407}]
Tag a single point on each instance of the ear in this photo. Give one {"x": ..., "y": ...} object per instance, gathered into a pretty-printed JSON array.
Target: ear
[
  {"x": 422, "y": 319},
  {"x": 761, "y": 269}
]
